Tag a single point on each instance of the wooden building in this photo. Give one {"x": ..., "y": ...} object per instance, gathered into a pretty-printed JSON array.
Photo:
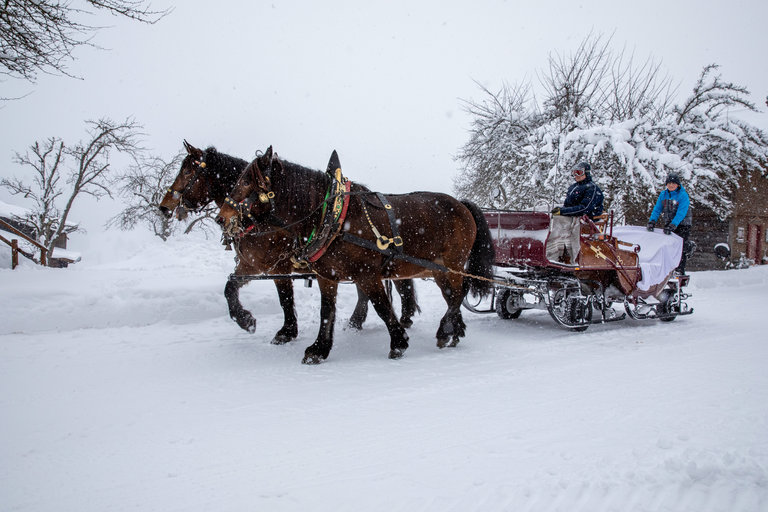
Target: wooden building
[{"x": 739, "y": 239}]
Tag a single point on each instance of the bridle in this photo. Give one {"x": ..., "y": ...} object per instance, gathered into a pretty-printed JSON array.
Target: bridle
[
  {"x": 179, "y": 195},
  {"x": 263, "y": 193}
]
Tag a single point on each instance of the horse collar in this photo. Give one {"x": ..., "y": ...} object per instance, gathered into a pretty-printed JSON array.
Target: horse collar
[{"x": 332, "y": 220}]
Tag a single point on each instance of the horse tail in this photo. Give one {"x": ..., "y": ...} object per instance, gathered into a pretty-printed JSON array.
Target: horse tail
[{"x": 481, "y": 257}]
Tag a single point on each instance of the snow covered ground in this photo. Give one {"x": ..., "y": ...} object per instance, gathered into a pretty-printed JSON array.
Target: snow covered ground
[{"x": 125, "y": 386}]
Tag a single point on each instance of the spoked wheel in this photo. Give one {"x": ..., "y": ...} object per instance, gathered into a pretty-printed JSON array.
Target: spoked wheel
[
  {"x": 475, "y": 304},
  {"x": 505, "y": 305},
  {"x": 573, "y": 313},
  {"x": 666, "y": 308}
]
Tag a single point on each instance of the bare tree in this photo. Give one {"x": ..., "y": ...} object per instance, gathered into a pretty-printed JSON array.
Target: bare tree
[
  {"x": 143, "y": 187},
  {"x": 41, "y": 35},
  {"x": 638, "y": 91},
  {"x": 84, "y": 166},
  {"x": 574, "y": 84}
]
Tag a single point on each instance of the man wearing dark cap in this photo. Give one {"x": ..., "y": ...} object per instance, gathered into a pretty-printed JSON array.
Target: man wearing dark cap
[
  {"x": 584, "y": 197},
  {"x": 673, "y": 213}
]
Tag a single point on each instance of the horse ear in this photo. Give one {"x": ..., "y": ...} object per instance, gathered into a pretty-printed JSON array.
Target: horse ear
[
  {"x": 192, "y": 150},
  {"x": 333, "y": 163},
  {"x": 265, "y": 160}
]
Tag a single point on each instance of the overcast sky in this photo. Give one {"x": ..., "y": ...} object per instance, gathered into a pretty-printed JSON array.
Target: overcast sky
[{"x": 380, "y": 82}]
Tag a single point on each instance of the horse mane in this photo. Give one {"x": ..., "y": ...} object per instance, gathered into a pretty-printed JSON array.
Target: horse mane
[
  {"x": 224, "y": 170},
  {"x": 228, "y": 167},
  {"x": 304, "y": 188}
]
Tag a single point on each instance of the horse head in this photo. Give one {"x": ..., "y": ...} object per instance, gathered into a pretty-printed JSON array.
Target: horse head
[
  {"x": 252, "y": 195},
  {"x": 190, "y": 189}
]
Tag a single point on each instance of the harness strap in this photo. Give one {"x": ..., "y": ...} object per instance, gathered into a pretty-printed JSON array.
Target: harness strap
[
  {"x": 396, "y": 239},
  {"x": 393, "y": 253},
  {"x": 383, "y": 242}
]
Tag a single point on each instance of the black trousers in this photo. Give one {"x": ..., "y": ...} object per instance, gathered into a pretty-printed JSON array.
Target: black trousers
[{"x": 683, "y": 232}]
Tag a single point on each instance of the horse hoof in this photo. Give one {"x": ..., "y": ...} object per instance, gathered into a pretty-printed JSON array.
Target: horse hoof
[
  {"x": 281, "y": 339},
  {"x": 396, "y": 353},
  {"x": 454, "y": 341},
  {"x": 406, "y": 322},
  {"x": 246, "y": 323},
  {"x": 312, "y": 359},
  {"x": 443, "y": 342},
  {"x": 355, "y": 326}
]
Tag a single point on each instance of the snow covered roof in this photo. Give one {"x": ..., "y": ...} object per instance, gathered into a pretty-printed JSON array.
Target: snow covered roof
[{"x": 9, "y": 211}]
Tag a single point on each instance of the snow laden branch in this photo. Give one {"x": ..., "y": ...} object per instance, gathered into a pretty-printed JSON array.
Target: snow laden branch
[
  {"x": 711, "y": 96},
  {"x": 618, "y": 114}
]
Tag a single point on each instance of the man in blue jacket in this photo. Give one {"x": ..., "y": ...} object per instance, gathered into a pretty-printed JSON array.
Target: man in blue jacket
[
  {"x": 584, "y": 197},
  {"x": 673, "y": 213}
]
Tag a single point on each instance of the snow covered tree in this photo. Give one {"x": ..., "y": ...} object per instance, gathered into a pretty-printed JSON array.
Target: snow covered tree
[
  {"x": 41, "y": 35},
  {"x": 602, "y": 108},
  {"x": 713, "y": 146},
  {"x": 85, "y": 169}
]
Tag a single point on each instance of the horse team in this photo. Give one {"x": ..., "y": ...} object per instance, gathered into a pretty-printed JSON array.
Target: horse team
[{"x": 272, "y": 209}]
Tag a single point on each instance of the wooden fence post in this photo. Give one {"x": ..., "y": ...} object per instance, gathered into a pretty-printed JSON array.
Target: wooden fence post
[{"x": 14, "y": 253}]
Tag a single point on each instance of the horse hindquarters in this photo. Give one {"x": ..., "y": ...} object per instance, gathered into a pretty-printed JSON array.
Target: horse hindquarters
[{"x": 481, "y": 257}]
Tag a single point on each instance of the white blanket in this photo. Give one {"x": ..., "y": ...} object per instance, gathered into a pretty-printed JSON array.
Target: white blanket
[{"x": 659, "y": 253}]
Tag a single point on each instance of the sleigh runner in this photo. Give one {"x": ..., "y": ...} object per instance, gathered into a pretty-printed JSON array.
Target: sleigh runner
[{"x": 537, "y": 269}]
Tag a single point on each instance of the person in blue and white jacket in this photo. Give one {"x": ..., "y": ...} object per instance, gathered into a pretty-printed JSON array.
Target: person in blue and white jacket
[{"x": 673, "y": 212}]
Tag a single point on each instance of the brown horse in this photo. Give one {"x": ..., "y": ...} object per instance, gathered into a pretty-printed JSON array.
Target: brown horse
[
  {"x": 439, "y": 236},
  {"x": 206, "y": 176}
]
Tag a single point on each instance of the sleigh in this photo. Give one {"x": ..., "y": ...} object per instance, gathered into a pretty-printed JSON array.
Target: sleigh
[{"x": 614, "y": 266}]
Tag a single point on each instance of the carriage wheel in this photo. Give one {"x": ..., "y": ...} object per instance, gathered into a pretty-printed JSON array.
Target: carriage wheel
[
  {"x": 666, "y": 306},
  {"x": 505, "y": 305},
  {"x": 638, "y": 311},
  {"x": 573, "y": 313},
  {"x": 473, "y": 303}
]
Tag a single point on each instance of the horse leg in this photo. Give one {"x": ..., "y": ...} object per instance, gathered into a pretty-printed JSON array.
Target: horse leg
[
  {"x": 375, "y": 290},
  {"x": 290, "y": 328},
  {"x": 452, "y": 326},
  {"x": 361, "y": 311},
  {"x": 239, "y": 314},
  {"x": 319, "y": 350},
  {"x": 409, "y": 307}
]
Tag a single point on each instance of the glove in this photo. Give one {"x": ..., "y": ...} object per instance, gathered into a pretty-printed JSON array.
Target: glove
[
  {"x": 650, "y": 226},
  {"x": 556, "y": 210},
  {"x": 669, "y": 228}
]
